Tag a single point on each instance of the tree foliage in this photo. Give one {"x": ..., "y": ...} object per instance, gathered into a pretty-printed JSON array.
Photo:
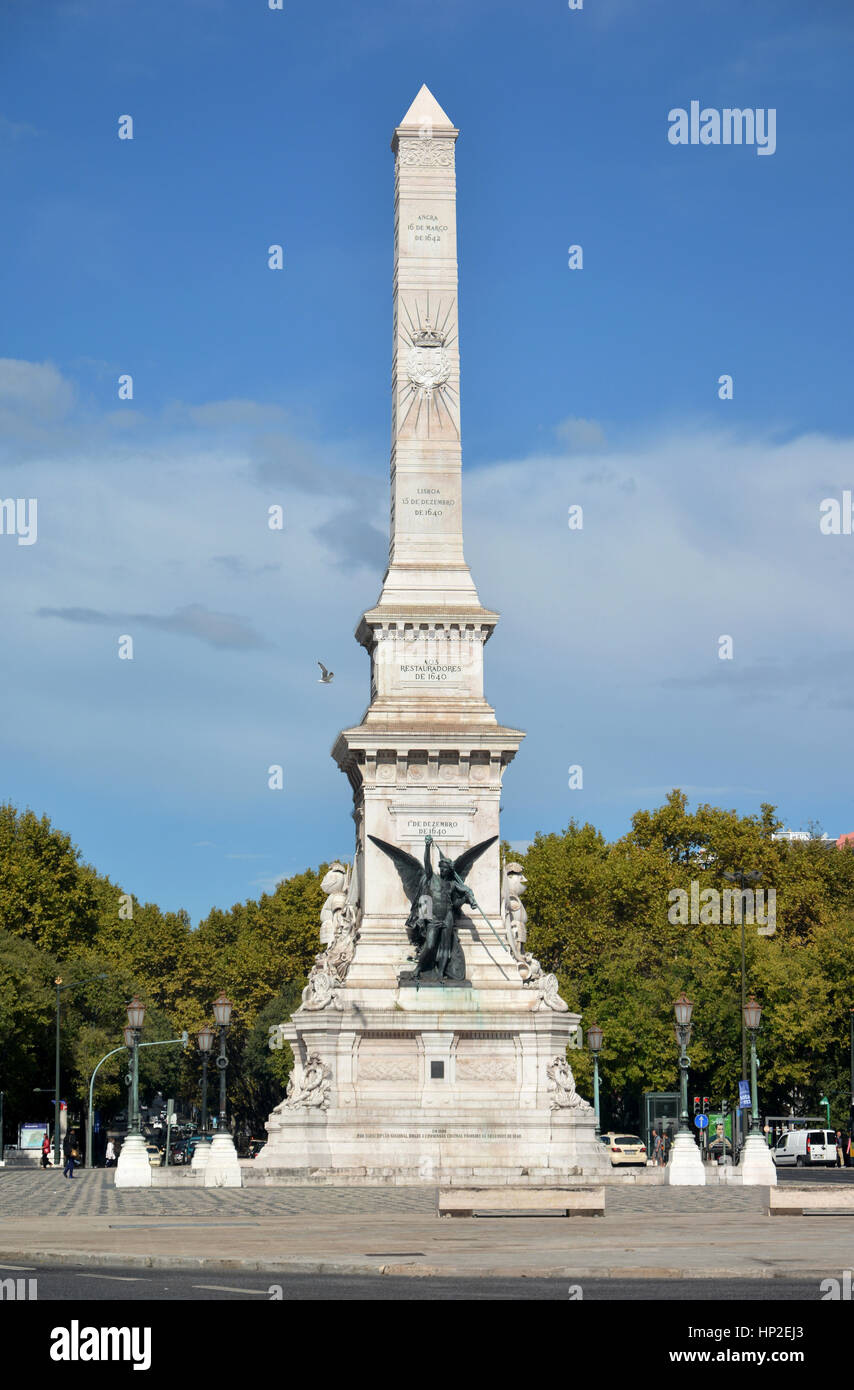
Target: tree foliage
[{"x": 598, "y": 917}]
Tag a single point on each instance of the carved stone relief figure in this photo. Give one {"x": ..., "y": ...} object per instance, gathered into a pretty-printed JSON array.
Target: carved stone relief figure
[
  {"x": 562, "y": 1089},
  {"x": 341, "y": 930},
  {"x": 308, "y": 1086}
]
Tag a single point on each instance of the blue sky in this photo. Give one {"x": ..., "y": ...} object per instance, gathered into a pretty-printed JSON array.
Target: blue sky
[{"x": 252, "y": 387}]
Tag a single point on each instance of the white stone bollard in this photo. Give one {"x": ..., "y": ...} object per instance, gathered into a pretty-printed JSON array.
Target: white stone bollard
[
  {"x": 223, "y": 1166},
  {"x": 757, "y": 1166},
  {"x": 133, "y": 1168},
  {"x": 685, "y": 1168}
]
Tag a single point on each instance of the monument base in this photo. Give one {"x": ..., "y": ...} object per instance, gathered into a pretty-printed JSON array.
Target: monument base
[
  {"x": 462, "y": 1147},
  {"x": 440, "y": 1090}
]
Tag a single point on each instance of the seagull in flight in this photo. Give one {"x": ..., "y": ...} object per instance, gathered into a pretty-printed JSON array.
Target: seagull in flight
[{"x": 327, "y": 675}]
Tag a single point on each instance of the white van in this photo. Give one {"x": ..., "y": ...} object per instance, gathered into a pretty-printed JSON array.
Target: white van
[{"x": 802, "y": 1148}]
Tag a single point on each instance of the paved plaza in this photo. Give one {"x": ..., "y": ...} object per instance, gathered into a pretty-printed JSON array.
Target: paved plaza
[{"x": 649, "y": 1232}]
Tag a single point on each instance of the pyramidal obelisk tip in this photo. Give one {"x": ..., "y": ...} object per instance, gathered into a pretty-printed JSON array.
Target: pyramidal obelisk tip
[{"x": 425, "y": 110}]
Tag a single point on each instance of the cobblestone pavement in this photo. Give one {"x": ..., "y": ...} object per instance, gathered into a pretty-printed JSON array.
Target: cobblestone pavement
[
  {"x": 92, "y": 1193},
  {"x": 648, "y": 1231}
]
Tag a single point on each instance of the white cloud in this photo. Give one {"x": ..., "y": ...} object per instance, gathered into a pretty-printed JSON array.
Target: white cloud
[
  {"x": 577, "y": 434},
  {"x": 35, "y": 391},
  {"x": 606, "y": 652}
]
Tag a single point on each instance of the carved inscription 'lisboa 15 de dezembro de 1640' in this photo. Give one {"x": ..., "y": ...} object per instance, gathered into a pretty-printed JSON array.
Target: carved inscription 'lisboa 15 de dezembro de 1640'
[{"x": 429, "y": 1045}]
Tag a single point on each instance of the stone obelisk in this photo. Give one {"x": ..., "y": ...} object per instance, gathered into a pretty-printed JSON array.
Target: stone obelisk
[{"x": 468, "y": 1078}]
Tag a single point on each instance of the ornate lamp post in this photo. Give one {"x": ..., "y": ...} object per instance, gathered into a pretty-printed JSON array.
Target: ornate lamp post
[
  {"x": 743, "y": 878},
  {"x": 752, "y": 1018},
  {"x": 136, "y": 1015},
  {"x": 128, "y": 1036},
  {"x": 686, "y": 1165},
  {"x": 206, "y": 1037},
  {"x": 222, "y": 1013},
  {"x": 133, "y": 1169},
  {"x": 222, "y": 1168},
  {"x": 757, "y": 1165},
  {"x": 594, "y": 1042},
  {"x": 683, "y": 1009}
]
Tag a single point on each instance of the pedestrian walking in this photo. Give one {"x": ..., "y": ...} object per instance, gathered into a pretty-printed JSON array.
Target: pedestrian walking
[
  {"x": 840, "y": 1156},
  {"x": 656, "y": 1147},
  {"x": 71, "y": 1153},
  {"x": 46, "y": 1151},
  {"x": 110, "y": 1155}
]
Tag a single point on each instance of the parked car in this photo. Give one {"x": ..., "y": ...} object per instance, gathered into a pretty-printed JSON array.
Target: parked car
[
  {"x": 155, "y": 1155},
  {"x": 624, "y": 1148},
  {"x": 802, "y": 1148}
]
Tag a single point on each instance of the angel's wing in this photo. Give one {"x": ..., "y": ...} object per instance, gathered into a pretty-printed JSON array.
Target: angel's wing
[
  {"x": 468, "y": 857},
  {"x": 410, "y": 869}
]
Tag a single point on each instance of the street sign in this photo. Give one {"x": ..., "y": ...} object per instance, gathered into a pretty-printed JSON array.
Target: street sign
[
  {"x": 701, "y": 1121},
  {"x": 744, "y": 1101}
]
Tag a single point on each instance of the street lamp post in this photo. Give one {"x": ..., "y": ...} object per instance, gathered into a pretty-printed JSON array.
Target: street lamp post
[
  {"x": 129, "y": 1038},
  {"x": 686, "y": 1164},
  {"x": 222, "y": 1014},
  {"x": 756, "y": 1164},
  {"x": 743, "y": 877},
  {"x": 133, "y": 1168},
  {"x": 104, "y": 975},
  {"x": 752, "y": 1018},
  {"x": 58, "y": 983},
  {"x": 683, "y": 1008},
  {"x": 223, "y": 1167},
  {"x": 594, "y": 1042},
  {"x": 206, "y": 1037},
  {"x": 136, "y": 1015}
]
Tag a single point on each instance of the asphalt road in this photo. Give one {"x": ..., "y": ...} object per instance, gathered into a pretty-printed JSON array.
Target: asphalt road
[
  {"x": 73, "y": 1284},
  {"x": 815, "y": 1175}
]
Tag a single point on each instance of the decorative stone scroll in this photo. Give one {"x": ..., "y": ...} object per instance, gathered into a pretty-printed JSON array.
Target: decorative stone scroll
[{"x": 426, "y": 152}]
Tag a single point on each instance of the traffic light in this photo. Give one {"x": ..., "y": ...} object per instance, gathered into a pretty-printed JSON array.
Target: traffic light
[
  {"x": 706, "y": 1105},
  {"x": 696, "y": 1105}
]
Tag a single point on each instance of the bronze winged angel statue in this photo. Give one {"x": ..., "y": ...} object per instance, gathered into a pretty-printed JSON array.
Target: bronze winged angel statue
[{"x": 435, "y": 900}]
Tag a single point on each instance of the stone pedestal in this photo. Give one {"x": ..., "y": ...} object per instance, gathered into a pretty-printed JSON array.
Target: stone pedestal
[
  {"x": 444, "y": 1086},
  {"x": 201, "y": 1153},
  {"x": 223, "y": 1166},
  {"x": 757, "y": 1164},
  {"x": 685, "y": 1168},
  {"x": 133, "y": 1168}
]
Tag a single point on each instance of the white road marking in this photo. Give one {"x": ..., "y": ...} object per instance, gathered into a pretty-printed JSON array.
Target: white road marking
[
  {"x": 121, "y": 1278},
  {"x": 30, "y": 1267},
  {"x": 226, "y": 1288}
]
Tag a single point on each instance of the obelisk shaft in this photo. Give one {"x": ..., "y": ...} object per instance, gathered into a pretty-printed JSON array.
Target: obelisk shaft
[{"x": 426, "y": 564}]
